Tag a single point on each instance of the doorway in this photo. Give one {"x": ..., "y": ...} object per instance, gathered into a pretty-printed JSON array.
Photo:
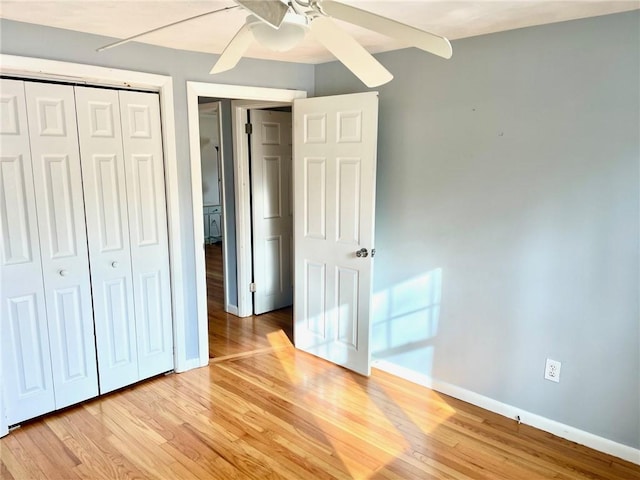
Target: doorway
[
  {"x": 236, "y": 224},
  {"x": 269, "y": 165}
]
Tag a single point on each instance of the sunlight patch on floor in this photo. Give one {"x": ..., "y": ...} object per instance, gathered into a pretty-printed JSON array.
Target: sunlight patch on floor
[
  {"x": 386, "y": 449},
  {"x": 426, "y": 418},
  {"x": 297, "y": 376},
  {"x": 325, "y": 389},
  {"x": 278, "y": 339}
]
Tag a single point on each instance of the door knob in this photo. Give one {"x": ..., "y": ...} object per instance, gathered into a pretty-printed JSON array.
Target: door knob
[
  {"x": 62, "y": 273},
  {"x": 362, "y": 253},
  {"x": 114, "y": 264}
]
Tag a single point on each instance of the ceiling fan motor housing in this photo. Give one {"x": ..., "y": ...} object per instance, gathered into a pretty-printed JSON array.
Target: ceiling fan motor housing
[{"x": 290, "y": 33}]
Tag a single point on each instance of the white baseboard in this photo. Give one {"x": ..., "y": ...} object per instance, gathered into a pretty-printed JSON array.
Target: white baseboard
[
  {"x": 232, "y": 309},
  {"x": 559, "y": 429}
]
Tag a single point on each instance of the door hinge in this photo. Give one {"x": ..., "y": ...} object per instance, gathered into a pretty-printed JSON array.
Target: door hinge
[
  {"x": 248, "y": 128},
  {"x": 252, "y": 287}
]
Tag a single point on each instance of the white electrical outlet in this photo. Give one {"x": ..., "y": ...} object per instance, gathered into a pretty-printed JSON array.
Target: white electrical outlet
[{"x": 552, "y": 370}]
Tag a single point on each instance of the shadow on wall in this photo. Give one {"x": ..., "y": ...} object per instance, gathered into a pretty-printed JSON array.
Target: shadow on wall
[{"x": 405, "y": 322}]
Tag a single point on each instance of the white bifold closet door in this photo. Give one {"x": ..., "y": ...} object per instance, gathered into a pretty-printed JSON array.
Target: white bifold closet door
[
  {"x": 122, "y": 170},
  {"x": 26, "y": 360},
  {"x": 47, "y": 323},
  {"x": 149, "y": 242},
  {"x": 63, "y": 241}
]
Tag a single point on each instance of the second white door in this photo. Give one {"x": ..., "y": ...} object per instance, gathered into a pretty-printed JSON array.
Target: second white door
[{"x": 272, "y": 209}]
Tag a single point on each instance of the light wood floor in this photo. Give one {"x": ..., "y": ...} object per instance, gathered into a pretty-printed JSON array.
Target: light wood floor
[
  {"x": 264, "y": 410},
  {"x": 239, "y": 334}
]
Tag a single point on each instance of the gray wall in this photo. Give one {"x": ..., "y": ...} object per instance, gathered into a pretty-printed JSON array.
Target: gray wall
[
  {"x": 209, "y": 151},
  {"x": 507, "y": 225},
  {"x": 29, "y": 40}
]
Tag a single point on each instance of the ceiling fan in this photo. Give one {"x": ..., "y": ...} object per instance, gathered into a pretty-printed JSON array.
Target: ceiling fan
[{"x": 280, "y": 24}]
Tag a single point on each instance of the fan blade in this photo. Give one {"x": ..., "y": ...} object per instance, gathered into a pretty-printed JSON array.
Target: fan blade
[
  {"x": 138, "y": 35},
  {"x": 426, "y": 41},
  {"x": 234, "y": 50},
  {"x": 349, "y": 52},
  {"x": 270, "y": 11}
]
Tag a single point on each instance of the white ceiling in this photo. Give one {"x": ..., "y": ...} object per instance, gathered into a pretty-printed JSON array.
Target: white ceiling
[{"x": 453, "y": 19}]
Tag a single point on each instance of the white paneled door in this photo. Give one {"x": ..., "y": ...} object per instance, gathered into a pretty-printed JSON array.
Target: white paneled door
[
  {"x": 24, "y": 334},
  {"x": 123, "y": 173},
  {"x": 105, "y": 196},
  {"x": 335, "y": 140},
  {"x": 144, "y": 173},
  {"x": 272, "y": 210},
  {"x": 63, "y": 242}
]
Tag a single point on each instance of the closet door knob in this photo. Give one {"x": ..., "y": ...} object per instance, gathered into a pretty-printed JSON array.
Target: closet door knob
[
  {"x": 114, "y": 264},
  {"x": 62, "y": 273}
]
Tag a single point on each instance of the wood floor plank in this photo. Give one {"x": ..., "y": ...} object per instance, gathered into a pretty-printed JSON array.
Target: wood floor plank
[
  {"x": 97, "y": 458},
  {"x": 18, "y": 463},
  {"x": 189, "y": 459},
  {"x": 5, "y": 474},
  {"x": 40, "y": 455}
]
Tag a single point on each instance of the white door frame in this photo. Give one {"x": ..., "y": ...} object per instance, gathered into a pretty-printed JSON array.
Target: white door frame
[
  {"x": 242, "y": 190},
  {"x": 38, "y": 68}
]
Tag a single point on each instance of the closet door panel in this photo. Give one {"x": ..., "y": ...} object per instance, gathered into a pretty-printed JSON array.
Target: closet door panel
[
  {"x": 105, "y": 197},
  {"x": 61, "y": 221},
  {"x": 27, "y": 376},
  {"x": 142, "y": 141}
]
